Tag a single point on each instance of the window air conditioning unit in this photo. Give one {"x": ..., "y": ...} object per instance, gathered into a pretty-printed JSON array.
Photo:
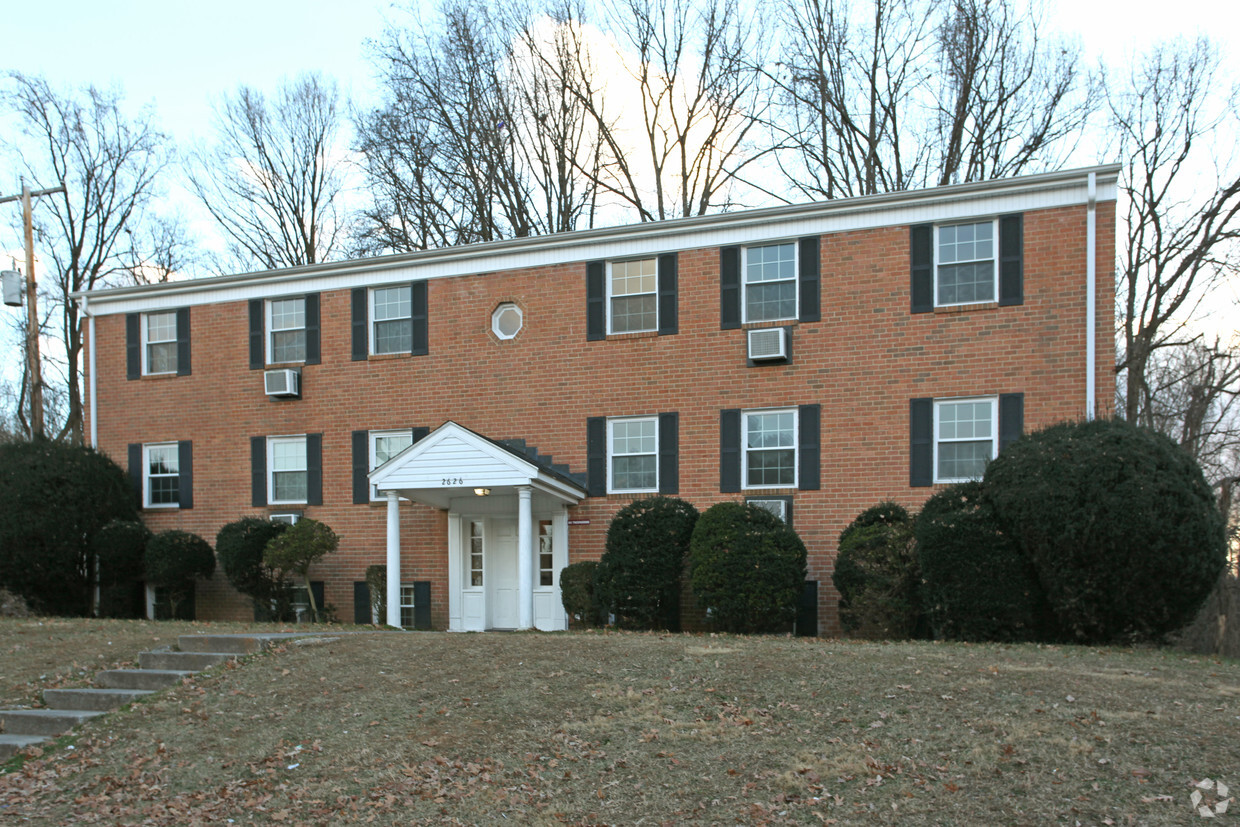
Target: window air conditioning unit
[
  {"x": 768, "y": 344},
  {"x": 284, "y": 382}
]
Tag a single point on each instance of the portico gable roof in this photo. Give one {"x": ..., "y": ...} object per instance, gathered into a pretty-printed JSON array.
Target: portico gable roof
[{"x": 452, "y": 461}]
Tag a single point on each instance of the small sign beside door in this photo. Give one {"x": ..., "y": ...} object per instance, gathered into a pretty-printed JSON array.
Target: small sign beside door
[{"x": 578, "y": 522}]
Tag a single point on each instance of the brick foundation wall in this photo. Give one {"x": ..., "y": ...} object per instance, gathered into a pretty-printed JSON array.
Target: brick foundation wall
[{"x": 862, "y": 363}]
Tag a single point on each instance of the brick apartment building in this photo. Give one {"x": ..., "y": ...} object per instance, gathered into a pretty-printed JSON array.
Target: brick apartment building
[{"x": 473, "y": 417}]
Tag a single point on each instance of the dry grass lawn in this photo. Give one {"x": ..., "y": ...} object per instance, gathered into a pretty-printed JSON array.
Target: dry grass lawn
[{"x": 640, "y": 729}]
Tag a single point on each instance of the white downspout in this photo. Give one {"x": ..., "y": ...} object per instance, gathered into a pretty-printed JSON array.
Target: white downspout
[
  {"x": 92, "y": 386},
  {"x": 1091, "y": 299}
]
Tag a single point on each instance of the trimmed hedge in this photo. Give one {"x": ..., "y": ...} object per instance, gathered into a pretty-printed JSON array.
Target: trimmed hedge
[
  {"x": 54, "y": 499},
  {"x": 876, "y": 574},
  {"x": 638, "y": 577},
  {"x": 174, "y": 560},
  {"x": 747, "y": 568},
  {"x": 977, "y": 584},
  {"x": 577, "y": 593},
  {"x": 120, "y": 549},
  {"x": 1118, "y": 521},
  {"x": 240, "y": 547}
]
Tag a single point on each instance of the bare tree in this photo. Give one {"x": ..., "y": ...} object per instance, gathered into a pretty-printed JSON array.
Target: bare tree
[
  {"x": 110, "y": 165},
  {"x": 274, "y": 180}
]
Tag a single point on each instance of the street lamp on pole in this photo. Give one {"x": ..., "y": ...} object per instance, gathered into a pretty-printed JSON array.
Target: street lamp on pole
[{"x": 33, "y": 362}]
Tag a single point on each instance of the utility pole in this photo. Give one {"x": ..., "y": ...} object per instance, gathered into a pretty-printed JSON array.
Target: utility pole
[{"x": 33, "y": 362}]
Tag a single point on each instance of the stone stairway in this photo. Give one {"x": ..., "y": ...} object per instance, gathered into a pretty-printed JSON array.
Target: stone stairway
[{"x": 158, "y": 669}]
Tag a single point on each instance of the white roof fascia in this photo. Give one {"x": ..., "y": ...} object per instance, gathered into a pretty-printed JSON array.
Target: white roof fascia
[{"x": 949, "y": 203}]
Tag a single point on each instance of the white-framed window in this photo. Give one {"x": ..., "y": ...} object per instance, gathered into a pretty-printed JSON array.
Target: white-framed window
[
  {"x": 473, "y": 571},
  {"x": 769, "y": 455},
  {"x": 632, "y": 295},
  {"x": 778, "y": 506},
  {"x": 161, "y": 486},
  {"x": 288, "y": 518},
  {"x": 966, "y": 437},
  {"x": 507, "y": 320},
  {"x": 286, "y": 469},
  {"x": 633, "y": 455},
  {"x": 770, "y": 279},
  {"x": 159, "y": 342},
  {"x": 966, "y": 267},
  {"x": 546, "y": 557},
  {"x": 286, "y": 330},
  {"x": 383, "y": 446},
  {"x": 391, "y": 319},
  {"x": 406, "y": 606}
]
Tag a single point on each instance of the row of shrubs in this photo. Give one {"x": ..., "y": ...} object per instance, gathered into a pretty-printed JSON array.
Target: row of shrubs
[
  {"x": 746, "y": 568},
  {"x": 1093, "y": 532}
]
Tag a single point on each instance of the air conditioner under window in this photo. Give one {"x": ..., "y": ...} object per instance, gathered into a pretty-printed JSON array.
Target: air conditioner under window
[
  {"x": 284, "y": 382},
  {"x": 768, "y": 344}
]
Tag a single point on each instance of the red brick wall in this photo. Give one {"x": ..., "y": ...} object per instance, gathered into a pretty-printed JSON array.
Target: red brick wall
[{"x": 863, "y": 362}]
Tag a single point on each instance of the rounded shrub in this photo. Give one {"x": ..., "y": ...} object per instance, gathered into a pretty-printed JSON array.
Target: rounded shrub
[
  {"x": 638, "y": 577},
  {"x": 747, "y": 568},
  {"x": 295, "y": 550},
  {"x": 120, "y": 549},
  {"x": 240, "y": 546},
  {"x": 977, "y": 584},
  {"x": 877, "y": 576},
  {"x": 1119, "y": 523},
  {"x": 577, "y": 593},
  {"x": 174, "y": 560},
  {"x": 54, "y": 499}
]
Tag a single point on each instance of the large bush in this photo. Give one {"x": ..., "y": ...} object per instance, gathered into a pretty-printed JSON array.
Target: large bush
[
  {"x": 120, "y": 551},
  {"x": 976, "y": 582},
  {"x": 295, "y": 550},
  {"x": 240, "y": 546},
  {"x": 747, "y": 568},
  {"x": 54, "y": 499},
  {"x": 174, "y": 560},
  {"x": 1119, "y": 523},
  {"x": 877, "y": 576},
  {"x": 638, "y": 578},
  {"x": 577, "y": 593}
]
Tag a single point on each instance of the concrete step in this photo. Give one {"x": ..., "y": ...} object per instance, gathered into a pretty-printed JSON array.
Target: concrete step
[
  {"x": 43, "y": 721},
  {"x": 141, "y": 678},
  {"x": 232, "y": 644},
  {"x": 100, "y": 700},
  {"x": 10, "y": 745},
  {"x": 190, "y": 661}
]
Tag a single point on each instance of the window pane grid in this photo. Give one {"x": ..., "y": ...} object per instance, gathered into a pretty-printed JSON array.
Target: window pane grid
[
  {"x": 406, "y": 607},
  {"x": 392, "y": 311},
  {"x": 966, "y": 266},
  {"x": 545, "y": 556},
  {"x": 965, "y": 439},
  {"x": 770, "y": 282},
  {"x": 475, "y": 554},
  {"x": 161, "y": 342},
  {"x": 288, "y": 470},
  {"x": 163, "y": 475},
  {"x": 634, "y": 305},
  {"x": 634, "y": 455},
  {"x": 288, "y": 330},
  {"x": 770, "y": 449}
]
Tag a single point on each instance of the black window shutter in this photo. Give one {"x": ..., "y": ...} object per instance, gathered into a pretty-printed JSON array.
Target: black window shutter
[
  {"x": 1011, "y": 418},
  {"x": 1011, "y": 259},
  {"x": 185, "y": 463},
  {"x": 422, "y": 605},
  {"x": 361, "y": 603},
  {"x": 183, "y": 355},
  {"x": 420, "y": 318},
  {"x": 596, "y": 456},
  {"x": 258, "y": 471},
  {"x": 420, "y": 433},
  {"x": 921, "y": 261},
  {"x": 596, "y": 301},
  {"x": 133, "y": 346},
  {"x": 316, "y": 586},
  {"x": 258, "y": 352},
  {"x": 669, "y": 322},
  {"x": 361, "y": 338},
  {"x": 921, "y": 442},
  {"x": 729, "y": 287},
  {"x": 669, "y": 453},
  {"x": 135, "y": 471},
  {"x": 314, "y": 469},
  {"x": 809, "y": 474},
  {"x": 361, "y": 467},
  {"x": 313, "y": 351},
  {"x": 810, "y": 280},
  {"x": 730, "y": 450}
]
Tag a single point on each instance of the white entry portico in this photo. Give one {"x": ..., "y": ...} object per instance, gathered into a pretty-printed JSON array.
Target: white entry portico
[{"x": 507, "y": 527}]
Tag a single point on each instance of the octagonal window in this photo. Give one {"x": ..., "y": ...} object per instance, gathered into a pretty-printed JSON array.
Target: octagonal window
[{"x": 506, "y": 321}]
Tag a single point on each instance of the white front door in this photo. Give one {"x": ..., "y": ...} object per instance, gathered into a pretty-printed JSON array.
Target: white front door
[{"x": 501, "y": 560}]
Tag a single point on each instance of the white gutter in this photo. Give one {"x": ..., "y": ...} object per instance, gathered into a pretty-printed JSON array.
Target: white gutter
[
  {"x": 94, "y": 407},
  {"x": 1091, "y": 299}
]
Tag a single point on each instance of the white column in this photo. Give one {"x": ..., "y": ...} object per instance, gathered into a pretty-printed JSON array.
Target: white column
[
  {"x": 525, "y": 559},
  {"x": 393, "y": 558}
]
